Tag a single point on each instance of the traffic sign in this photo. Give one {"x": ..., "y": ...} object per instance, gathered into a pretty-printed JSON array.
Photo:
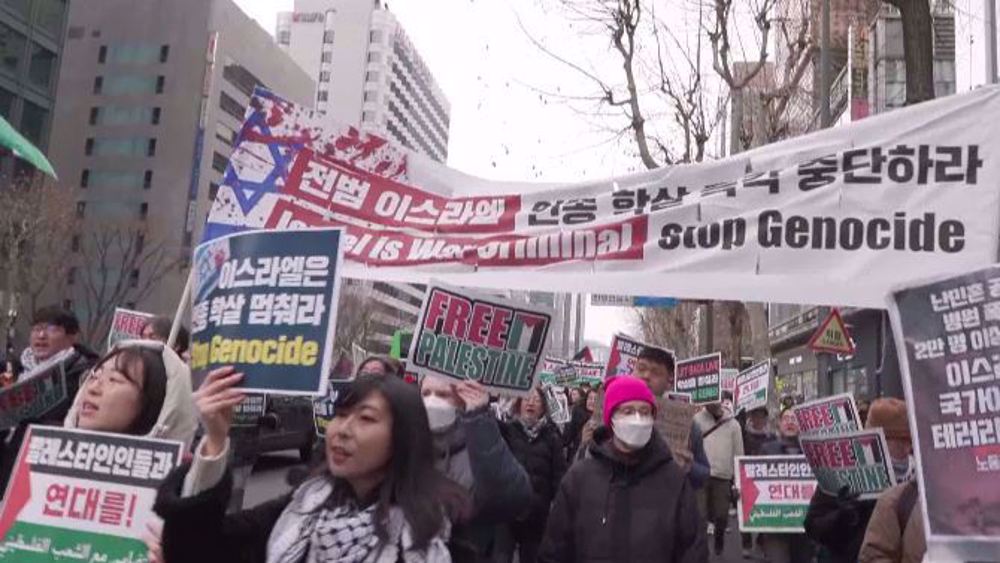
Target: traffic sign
[{"x": 832, "y": 336}]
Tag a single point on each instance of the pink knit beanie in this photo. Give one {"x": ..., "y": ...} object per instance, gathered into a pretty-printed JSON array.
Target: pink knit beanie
[{"x": 623, "y": 389}]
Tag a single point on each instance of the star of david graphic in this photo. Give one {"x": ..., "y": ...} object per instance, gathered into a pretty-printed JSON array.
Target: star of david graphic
[{"x": 248, "y": 194}]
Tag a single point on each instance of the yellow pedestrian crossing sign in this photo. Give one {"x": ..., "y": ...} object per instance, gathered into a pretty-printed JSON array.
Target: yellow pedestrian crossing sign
[{"x": 832, "y": 336}]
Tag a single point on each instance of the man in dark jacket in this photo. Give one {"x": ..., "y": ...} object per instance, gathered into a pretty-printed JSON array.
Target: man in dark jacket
[
  {"x": 471, "y": 451},
  {"x": 53, "y": 331},
  {"x": 537, "y": 446},
  {"x": 628, "y": 501}
]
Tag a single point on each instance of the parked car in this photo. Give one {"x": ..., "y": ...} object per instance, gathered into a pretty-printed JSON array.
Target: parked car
[{"x": 287, "y": 424}]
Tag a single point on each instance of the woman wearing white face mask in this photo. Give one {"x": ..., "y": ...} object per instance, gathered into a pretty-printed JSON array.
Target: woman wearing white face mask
[
  {"x": 469, "y": 449},
  {"x": 629, "y": 501}
]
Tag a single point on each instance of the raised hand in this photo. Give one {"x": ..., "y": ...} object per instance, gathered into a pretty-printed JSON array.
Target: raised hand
[{"x": 215, "y": 400}]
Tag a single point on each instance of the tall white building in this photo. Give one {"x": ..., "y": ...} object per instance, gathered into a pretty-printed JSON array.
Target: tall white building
[{"x": 368, "y": 72}]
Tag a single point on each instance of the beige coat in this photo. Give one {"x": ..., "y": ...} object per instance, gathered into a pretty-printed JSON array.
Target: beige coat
[{"x": 883, "y": 541}]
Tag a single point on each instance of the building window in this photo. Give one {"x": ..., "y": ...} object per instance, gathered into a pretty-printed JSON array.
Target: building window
[
  {"x": 326, "y": 57},
  {"x": 133, "y": 278},
  {"x": 160, "y": 83},
  {"x": 74, "y": 243},
  {"x": 231, "y": 106},
  {"x": 368, "y": 116},
  {"x": 284, "y": 37},
  {"x": 6, "y": 103},
  {"x": 225, "y": 134},
  {"x": 151, "y": 147},
  {"x": 371, "y": 76},
  {"x": 328, "y": 37},
  {"x": 42, "y": 66},
  {"x": 75, "y": 32},
  {"x": 88, "y": 146},
  {"x": 213, "y": 191},
  {"x": 164, "y": 53},
  {"x": 147, "y": 180},
  {"x": 33, "y": 121},
  {"x": 375, "y": 37},
  {"x": 102, "y": 54},
  {"x": 95, "y": 114},
  {"x": 322, "y": 96},
  {"x": 155, "y": 117},
  {"x": 71, "y": 276},
  {"x": 374, "y": 57},
  {"x": 219, "y": 163},
  {"x": 143, "y": 210},
  {"x": 81, "y": 209},
  {"x": 98, "y": 84},
  {"x": 11, "y": 48},
  {"x": 85, "y": 178},
  {"x": 371, "y": 96},
  {"x": 50, "y": 16},
  {"x": 324, "y": 76}
]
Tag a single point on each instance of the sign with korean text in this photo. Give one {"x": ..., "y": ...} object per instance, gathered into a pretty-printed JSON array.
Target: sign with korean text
[
  {"x": 774, "y": 493},
  {"x": 266, "y": 303},
  {"x": 249, "y": 411},
  {"x": 625, "y": 351},
  {"x": 729, "y": 380},
  {"x": 324, "y": 407},
  {"x": 838, "y": 218},
  {"x": 127, "y": 325},
  {"x": 950, "y": 360},
  {"x": 836, "y": 414},
  {"x": 589, "y": 373},
  {"x": 547, "y": 373},
  {"x": 36, "y": 392},
  {"x": 464, "y": 335},
  {"x": 857, "y": 460},
  {"x": 832, "y": 336},
  {"x": 752, "y": 387},
  {"x": 673, "y": 422},
  {"x": 701, "y": 377},
  {"x": 85, "y": 496}
]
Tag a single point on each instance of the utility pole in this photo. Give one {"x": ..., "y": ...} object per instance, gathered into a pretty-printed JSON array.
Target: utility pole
[
  {"x": 990, "y": 20},
  {"x": 825, "y": 70}
]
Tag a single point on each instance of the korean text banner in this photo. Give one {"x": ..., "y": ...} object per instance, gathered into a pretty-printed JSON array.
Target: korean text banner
[
  {"x": 774, "y": 493},
  {"x": 828, "y": 415},
  {"x": 464, "y": 335},
  {"x": 837, "y": 216},
  {"x": 859, "y": 461},
  {"x": 127, "y": 325},
  {"x": 951, "y": 373},
  {"x": 625, "y": 351},
  {"x": 86, "y": 496},
  {"x": 36, "y": 392},
  {"x": 752, "y": 387},
  {"x": 266, "y": 303},
  {"x": 701, "y": 377}
]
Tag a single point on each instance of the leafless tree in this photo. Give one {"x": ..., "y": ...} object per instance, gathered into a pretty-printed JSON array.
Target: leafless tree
[
  {"x": 355, "y": 316},
  {"x": 118, "y": 263}
]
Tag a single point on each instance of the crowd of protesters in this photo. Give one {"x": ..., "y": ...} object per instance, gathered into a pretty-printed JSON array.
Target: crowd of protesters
[{"x": 441, "y": 471}]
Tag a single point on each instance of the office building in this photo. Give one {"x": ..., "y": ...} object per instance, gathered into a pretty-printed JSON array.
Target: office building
[
  {"x": 368, "y": 73},
  {"x": 31, "y": 45},
  {"x": 159, "y": 92}
]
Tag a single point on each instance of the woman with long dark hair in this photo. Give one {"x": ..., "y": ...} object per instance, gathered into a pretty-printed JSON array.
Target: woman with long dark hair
[{"x": 377, "y": 498}]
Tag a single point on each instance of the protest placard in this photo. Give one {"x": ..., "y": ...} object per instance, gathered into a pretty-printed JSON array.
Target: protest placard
[
  {"x": 36, "y": 392},
  {"x": 547, "y": 373},
  {"x": 728, "y": 376},
  {"x": 558, "y": 406},
  {"x": 948, "y": 334},
  {"x": 673, "y": 422},
  {"x": 752, "y": 387},
  {"x": 465, "y": 335},
  {"x": 858, "y": 460},
  {"x": 701, "y": 377},
  {"x": 679, "y": 397},
  {"x": 774, "y": 493},
  {"x": 324, "y": 407},
  {"x": 835, "y": 414},
  {"x": 127, "y": 325},
  {"x": 249, "y": 411},
  {"x": 565, "y": 375},
  {"x": 625, "y": 350},
  {"x": 79, "y": 495},
  {"x": 588, "y": 373},
  {"x": 265, "y": 302}
]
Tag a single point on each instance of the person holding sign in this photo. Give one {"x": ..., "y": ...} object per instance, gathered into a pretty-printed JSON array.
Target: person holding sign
[
  {"x": 723, "y": 443},
  {"x": 629, "y": 500},
  {"x": 537, "y": 446},
  {"x": 377, "y": 497},
  {"x": 469, "y": 448}
]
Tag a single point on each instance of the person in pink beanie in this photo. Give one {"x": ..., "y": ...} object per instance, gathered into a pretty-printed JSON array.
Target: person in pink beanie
[{"x": 629, "y": 500}]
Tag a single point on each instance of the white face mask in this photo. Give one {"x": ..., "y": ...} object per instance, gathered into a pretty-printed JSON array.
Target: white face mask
[
  {"x": 440, "y": 413},
  {"x": 632, "y": 430}
]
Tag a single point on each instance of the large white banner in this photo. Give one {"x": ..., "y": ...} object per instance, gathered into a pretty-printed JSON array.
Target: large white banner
[{"x": 835, "y": 217}]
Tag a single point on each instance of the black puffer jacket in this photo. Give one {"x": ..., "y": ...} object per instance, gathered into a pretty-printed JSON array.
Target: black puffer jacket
[
  {"x": 542, "y": 457},
  {"x": 610, "y": 510},
  {"x": 838, "y": 523}
]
